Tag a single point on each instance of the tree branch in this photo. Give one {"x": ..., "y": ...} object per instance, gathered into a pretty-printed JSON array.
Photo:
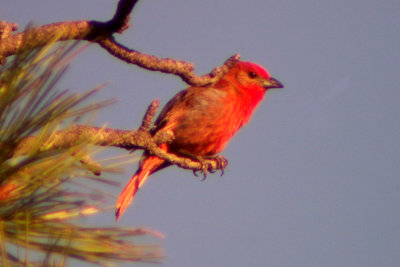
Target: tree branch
[
  {"x": 126, "y": 139},
  {"x": 101, "y": 33},
  {"x": 182, "y": 69},
  {"x": 120, "y": 21}
]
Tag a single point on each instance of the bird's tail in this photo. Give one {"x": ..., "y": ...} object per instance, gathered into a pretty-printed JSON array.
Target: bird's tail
[{"x": 148, "y": 166}]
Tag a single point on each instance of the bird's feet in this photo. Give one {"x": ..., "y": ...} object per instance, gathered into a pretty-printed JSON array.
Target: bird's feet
[
  {"x": 207, "y": 167},
  {"x": 221, "y": 161}
]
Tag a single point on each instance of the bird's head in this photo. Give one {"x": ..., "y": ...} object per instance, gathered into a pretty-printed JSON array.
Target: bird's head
[{"x": 252, "y": 75}]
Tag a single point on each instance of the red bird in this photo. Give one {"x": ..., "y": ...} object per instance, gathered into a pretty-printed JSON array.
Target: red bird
[{"x": 203, "y": 120}]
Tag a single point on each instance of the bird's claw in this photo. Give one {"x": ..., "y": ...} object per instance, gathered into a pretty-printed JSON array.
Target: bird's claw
[
  {"x": 221, "y": 163},
  {"x": 207, "y": 168},
  {"x": 204, "y": 169},
  {"x": 201, "y": 171}
]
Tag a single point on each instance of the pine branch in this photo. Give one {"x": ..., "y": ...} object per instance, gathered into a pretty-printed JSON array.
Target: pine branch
[{"x": 45, "y": 188}]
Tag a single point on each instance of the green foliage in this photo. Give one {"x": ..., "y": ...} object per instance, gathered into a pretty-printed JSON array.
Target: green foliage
[{"x": 38, "y": 202}]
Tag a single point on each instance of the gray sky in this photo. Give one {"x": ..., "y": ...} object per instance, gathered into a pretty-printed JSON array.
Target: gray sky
[{"x": 313, "y": 180}]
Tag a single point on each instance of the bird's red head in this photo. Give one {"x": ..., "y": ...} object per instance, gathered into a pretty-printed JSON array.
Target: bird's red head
[{"x": 249, "y": 74}]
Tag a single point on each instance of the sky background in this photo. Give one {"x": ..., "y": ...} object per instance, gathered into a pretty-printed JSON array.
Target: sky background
[{"x": 314, "y": 178}]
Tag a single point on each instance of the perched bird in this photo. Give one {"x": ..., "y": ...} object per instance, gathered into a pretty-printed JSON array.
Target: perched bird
[{"x": 203, "y": 120}]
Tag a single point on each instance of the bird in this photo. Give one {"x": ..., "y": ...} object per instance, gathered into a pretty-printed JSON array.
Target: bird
[{"x": 203, "y": 119}]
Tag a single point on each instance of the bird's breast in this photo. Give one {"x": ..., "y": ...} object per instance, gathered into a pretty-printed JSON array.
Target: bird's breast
[{"x": 207, "y": 126}]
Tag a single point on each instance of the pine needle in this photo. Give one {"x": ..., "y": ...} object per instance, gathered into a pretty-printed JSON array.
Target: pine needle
[{"x": 39, "y": 199}]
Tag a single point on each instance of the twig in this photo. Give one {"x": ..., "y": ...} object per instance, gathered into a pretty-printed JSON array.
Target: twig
[{"x": 149, "y": 115}]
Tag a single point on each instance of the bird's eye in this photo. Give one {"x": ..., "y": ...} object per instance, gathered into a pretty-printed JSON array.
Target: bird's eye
[{"x": 252, "y": 74}]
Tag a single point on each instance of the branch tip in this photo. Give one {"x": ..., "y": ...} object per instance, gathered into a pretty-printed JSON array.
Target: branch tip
[{"x": 149, "y": 115}]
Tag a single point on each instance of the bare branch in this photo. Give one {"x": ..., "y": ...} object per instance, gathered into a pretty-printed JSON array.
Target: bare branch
[
  {"x": 120, "y": 21},
  {"x": 43, "y": 35},
  {"x": 101, "y": 33},
  {"x": 182, "y": 69},
  {"x": 68, "y": 30}
]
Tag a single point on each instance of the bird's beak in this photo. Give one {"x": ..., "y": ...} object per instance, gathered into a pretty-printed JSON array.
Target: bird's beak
[{"x": 272, "y": 83}]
